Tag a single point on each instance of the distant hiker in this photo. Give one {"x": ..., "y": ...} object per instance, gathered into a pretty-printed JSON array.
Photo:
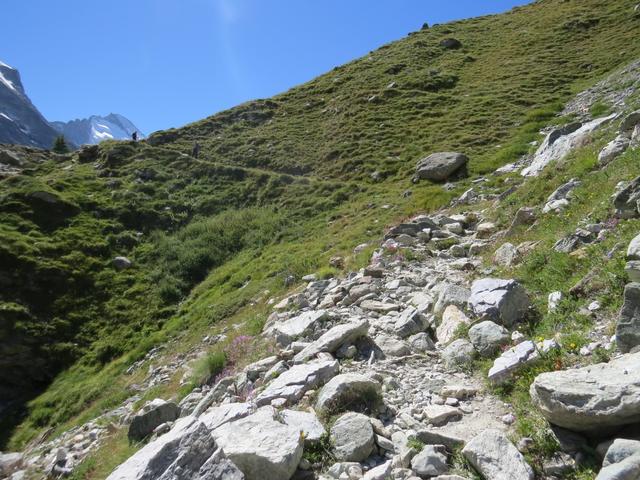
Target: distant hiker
[
  {"x": 196, "y": 150},
  {"x": 134, "y": 136}
]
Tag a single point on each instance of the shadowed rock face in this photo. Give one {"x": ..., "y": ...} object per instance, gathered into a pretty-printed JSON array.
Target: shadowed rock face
[{"x": 20, "y": 121}]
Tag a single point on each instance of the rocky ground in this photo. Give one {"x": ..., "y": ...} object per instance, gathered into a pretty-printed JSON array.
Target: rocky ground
[{"x": 372, "y": 376}]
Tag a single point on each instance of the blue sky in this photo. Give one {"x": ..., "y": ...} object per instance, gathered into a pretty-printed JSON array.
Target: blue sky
[{"x": 164, "y": 63}]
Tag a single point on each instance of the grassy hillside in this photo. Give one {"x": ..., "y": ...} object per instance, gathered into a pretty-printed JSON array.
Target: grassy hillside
[{"x": 281, "y": 185}]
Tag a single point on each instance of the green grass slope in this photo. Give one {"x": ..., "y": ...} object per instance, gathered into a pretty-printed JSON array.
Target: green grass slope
[{"x": 281, "y": 185}]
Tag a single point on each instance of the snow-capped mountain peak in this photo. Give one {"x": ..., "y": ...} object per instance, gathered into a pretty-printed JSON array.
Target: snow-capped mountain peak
[{"x": 96, "y": 128}]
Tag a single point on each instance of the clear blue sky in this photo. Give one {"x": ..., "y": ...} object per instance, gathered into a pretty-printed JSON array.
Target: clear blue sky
[{"x": 164, "y": 63}]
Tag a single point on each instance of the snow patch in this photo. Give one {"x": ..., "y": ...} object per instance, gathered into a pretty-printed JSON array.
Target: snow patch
[{"x": 8, "y": 83}]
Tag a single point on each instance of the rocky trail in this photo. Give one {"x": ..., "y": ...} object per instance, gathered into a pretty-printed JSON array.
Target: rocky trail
[{"x": 372, "y": 376}]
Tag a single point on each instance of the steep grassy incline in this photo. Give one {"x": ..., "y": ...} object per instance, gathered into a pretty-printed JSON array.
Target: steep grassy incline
[
  {"x": 381, "y": 112},
  {"x": 281, "y": 185}
]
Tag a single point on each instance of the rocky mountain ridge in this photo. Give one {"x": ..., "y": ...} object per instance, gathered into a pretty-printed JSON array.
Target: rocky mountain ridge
[{"x": 20, "y": 121}]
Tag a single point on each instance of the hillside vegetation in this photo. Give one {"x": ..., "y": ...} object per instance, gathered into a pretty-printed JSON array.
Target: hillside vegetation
[{"x": 281, "y": 186}]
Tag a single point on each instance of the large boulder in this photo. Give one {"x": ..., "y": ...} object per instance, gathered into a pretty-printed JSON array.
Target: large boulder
[
  {"x": 154, "y": 413},
  {"x": 352, "y": 437},
  {"x": 262, "y": 445},
  {"x": 504, "y": 301},
  {"x": 430, "y": 461},
  {"x": 622, "y": 461},
  {"x": 410, "y": 322},
  {"x": 334, "y": 339},
  {"x": 450, "y": 43},
  {"x": 188, "y": 450},
  {"x": 9, "y": 463},
  {"x": 614, "y": 149},
  {"x": 292, "y": 384},
  {"x": 630, "y": 121},
  {"x": 626, "y": 200},
  {"x": 633, "y": 250},
  {"x": 458, "y": 353},
  {"x": 591, "y": 399},
  {"x": 296, "y": 327},
  {"x": 561, "y": 141},
  {"x": 349, "y": 391},
  {"x": 487, "y": 337},
  {"x": 439, "y": 167},
  {"x": 628, "y": 326},
  {"x": 496, "y": 458}
]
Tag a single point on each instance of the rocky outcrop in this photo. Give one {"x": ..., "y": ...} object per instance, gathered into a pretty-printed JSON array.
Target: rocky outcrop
[
  {"x": 20, "y": 121},
  {"x": 187, "y": 451},
  {"x": 504, "y": 301},
  {"x": 439, "y": 167},
  {"x": 261, "y": 445},
  {"x": 487, "y": 337},
  {"x": 559, "y": 142},
  {"x": 628, "y": 326},
  {"x": 352, "y": 437},
  {"x": 592, "y": 399},
  {"x": 626, "y": 199},
  {"x": 151, "y": 416},
  {"x": 496, "y": 458},
  {"x": 292, "y": 384},
  {"x": 334, "y": 339},
  {"x": 348, "y": 390}
]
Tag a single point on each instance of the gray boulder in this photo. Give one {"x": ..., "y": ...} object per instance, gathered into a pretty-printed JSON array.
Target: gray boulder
[
  {"x": 352, "y": 437},
  {"x": 150, "y": 416},
  {"x": 620, "y": 449},
  {"x": 458, "y": 353},
  {"x": 630, "y": 121},
  {"x": 633, "y": 250},
  {"x": 496, "y": 458},
  {"x": 431, "y": 461},
  {"x": 613, "y": 149},
  {"x": 410, "y": 322},
  {"x": 628, "y": 326},
  {"x": 591, "y": 399},
  {"x": 506, "y": 255},
  {"x": 348, "y": 391},
  {"x": 121, "y": 263},
  {"x": 487, "y": 337},
  {"x": 439, "y": 167},
  {"x": 392, "y": 347},
  {"x": 334, "y": 339},
  {"x": 9, "y": 463},
  {"x": 292, "y": 384},
  {"x": 296, "y": 327},
  {"x": 421, "y": 342},
  {"x": 561, "y": 141},
  {"x": 452, "y": 295},
  {"x": 188, "y": 450},
  {"x": 261, "y": 445},
  {"x": 504, "y": 301},
  {"x": 626, "y": 200},
  {"x": 451, "y": 43}
]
